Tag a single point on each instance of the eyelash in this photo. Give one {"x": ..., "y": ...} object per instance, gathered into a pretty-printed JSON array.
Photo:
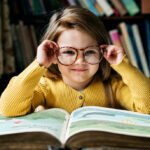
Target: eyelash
[
  {"x": 68, "y": 52},
  {"x": 89, "y": 52}
]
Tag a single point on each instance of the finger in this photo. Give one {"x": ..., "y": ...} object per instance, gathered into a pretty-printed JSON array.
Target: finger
[
  {"x": 53, "y": 45},
  {"x": 49, "y": 44},
  {"x": 49, "y": 47},
  {"x": 103, "y": 46},
  {"x": 111, "y": 52},
  {"x": 105, "y": 54}
]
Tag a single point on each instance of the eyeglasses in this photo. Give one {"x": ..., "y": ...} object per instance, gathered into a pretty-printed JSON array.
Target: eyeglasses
[{"x": 68, "y": 55}]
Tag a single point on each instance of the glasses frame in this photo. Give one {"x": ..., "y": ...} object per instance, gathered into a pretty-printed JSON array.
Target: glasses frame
[{"x": 81, "y": 49}]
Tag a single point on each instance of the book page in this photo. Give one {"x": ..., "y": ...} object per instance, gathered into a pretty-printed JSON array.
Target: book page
[
  {"x": 93, "y": 118},
  {"x": 50, "y": 121}
]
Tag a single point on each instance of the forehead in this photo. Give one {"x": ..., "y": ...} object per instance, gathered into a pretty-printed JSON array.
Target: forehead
[{"x": 75, "y": 38}]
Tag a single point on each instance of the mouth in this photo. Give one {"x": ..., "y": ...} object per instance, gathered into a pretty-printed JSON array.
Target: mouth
[{"x": 79, "y": 70}]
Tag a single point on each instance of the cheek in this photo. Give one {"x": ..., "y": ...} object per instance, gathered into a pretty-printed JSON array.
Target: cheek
[
  {"x": 94, "y": 69},
  {"x": 63, "y": 68}
]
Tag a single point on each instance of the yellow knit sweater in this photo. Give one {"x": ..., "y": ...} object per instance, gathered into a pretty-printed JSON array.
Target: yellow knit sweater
[{"x": 30, "y": 89}]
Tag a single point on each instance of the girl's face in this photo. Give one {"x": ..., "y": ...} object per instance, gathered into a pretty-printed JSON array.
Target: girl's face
[{"x": 79, "y": 74}]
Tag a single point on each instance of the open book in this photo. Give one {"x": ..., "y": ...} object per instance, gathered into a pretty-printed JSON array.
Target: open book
[{"x": 86, "y": 127}]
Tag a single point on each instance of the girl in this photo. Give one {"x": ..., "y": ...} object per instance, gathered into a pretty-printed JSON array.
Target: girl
[{"x": 73, "y": 69}]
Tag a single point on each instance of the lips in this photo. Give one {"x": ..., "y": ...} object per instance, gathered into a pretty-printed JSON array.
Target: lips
[{"x": 79, "y": 69}]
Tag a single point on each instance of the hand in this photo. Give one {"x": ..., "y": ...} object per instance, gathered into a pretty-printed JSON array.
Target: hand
[
  {"x": 46, "y": 53},
  {"x": 113, "y": 54},
  {"x": 39, "y": 108}
]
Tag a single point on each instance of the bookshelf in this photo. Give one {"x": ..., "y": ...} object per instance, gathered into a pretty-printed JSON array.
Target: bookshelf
[{"x": 40, "y": 21}]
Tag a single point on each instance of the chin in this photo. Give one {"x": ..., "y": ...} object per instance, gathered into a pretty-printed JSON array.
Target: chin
[{"x": 81, "y": 79}]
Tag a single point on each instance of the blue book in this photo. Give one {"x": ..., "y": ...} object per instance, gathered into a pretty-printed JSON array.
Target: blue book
[
  {"x": 142, "y": 29},
  {"x": 145, "y": 34},
  {"x": 28, "y": 7},
  {"x": 147, "y": 28},
  {"x": 130, "y": 32},
  {"x": 92, "y": 8}
]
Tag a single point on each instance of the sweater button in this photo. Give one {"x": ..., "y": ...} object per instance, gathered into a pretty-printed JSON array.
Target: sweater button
[{"x": 80, "y": 97}]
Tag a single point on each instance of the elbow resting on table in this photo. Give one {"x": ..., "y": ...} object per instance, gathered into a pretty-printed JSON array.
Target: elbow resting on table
[
  {"x": 14, "y": 110},
  {"x": 143, "y": 107}
]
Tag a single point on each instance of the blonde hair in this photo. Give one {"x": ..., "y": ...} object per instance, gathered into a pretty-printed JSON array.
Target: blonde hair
[
  {"x": 80, "y": 19},
  {"x": 83, "y": 20}
]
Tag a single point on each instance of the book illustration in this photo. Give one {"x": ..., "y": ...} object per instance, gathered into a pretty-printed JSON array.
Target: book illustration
[
  {"x": 46, "y": 121},
  {"x": 85, "y": 127},
  {"x": 110, "y": 114},
  {"x": 109, "y": 126},
  {"x": 109, "y": 120}
]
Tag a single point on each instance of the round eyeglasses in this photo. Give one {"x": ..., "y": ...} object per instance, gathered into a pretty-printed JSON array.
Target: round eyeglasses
[{"x": 68, "y": 55}]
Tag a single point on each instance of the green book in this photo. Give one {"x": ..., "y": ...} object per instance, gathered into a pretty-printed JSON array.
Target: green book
[
  {"x": 131, "y": 7},
  {"x": 37, "y": 7}
]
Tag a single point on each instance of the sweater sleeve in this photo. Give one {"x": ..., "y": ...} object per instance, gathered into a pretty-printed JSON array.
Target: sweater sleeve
[
  {"x": 133, "y": 92},
  {"x": 17, "y": 98}
]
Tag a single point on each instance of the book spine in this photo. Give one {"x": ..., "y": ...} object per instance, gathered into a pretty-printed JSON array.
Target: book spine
[
  {"x": 28, "y": 43},
  {"x": 131, "y": 34},
  {"x": 9, "y": 65},
  {"x": 28, "y": 7},
  {"x": 92, "y": 8},
  {"x": 120, "y": 7},
  {"x": 23, "y": 6},
  {"x": 34, "y": 41},
  {"x": 147, "y": 26},
  {"x": 47, "y": 5},
  {"x": 83, "y": 4},
  {"x": 98, "y": 8},
  {"x": 145, "y": 6},
  {"x": 17, "y": 50},
  {"x": 125, "y": 47},
  {"x": 128, "y": 43},
  {"x": 72, "y": 2},
  {"x": 24, "y": 39},
  {"x": 1, "y": 50},
  {"x": 140, "y": 49},
  {"x": 106, "y": 7},
  {"x": 32, "y": 7},
  {"x": 115, "y": 37},
  {"x": 37, "y": 7},
  {"x": 43, "y": 7},
  {"x": 116, "y": 12},
  {"x": 131, "y": 7}
]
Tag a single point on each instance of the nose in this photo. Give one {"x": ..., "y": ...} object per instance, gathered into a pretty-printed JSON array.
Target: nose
[{"x": 80, "y": 58}]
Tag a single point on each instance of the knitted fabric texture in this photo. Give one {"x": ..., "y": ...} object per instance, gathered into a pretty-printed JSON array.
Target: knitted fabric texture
[{"x": 30, "y": 89}]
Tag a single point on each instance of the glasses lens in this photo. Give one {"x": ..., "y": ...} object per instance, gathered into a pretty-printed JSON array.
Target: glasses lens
[
  {"x": 67, "y": 55},
  {"x": 92, "y": 55}
]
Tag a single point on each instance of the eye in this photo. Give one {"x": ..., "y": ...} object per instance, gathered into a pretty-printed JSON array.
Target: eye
[
  {"x": 70, "y": 52},
  {"x": 89, "y": 52}
]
